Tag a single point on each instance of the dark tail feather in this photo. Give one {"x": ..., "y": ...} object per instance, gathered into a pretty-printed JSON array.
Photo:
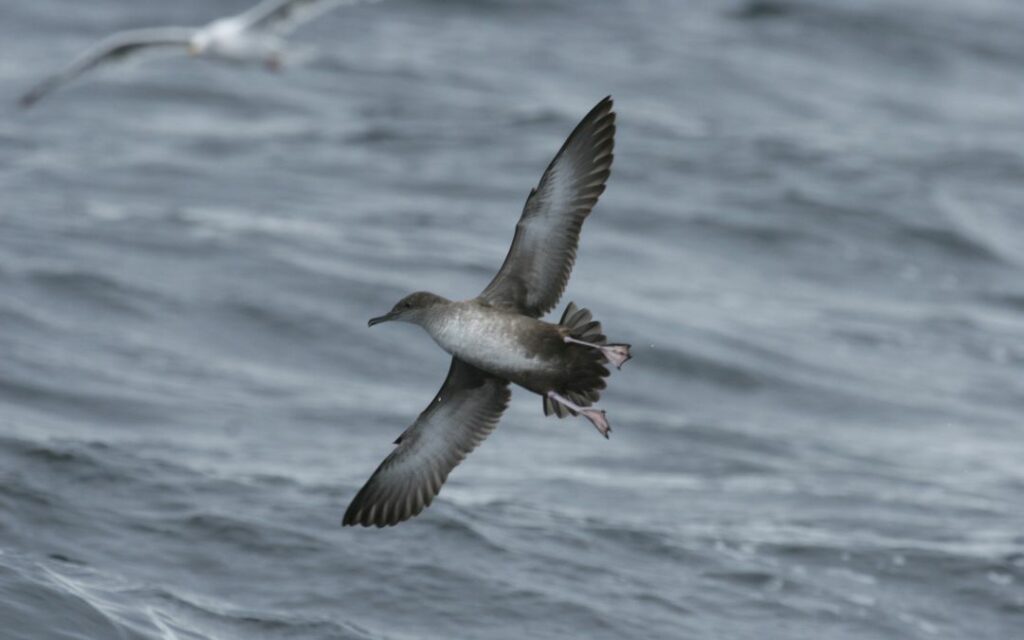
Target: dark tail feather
[
  {"x": 550, "y": 406},
  {"x": 589, "y": 369},
  {"x": 581, "y": 325}
]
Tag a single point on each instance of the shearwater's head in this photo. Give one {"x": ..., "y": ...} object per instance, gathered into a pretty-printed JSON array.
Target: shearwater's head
[{"x": 412, "y": 308}]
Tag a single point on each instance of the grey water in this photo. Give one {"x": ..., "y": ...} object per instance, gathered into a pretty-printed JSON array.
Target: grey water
[{"x": 813, "y": 236}]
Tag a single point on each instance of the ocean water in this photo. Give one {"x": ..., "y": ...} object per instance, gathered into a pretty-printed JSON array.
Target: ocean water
[{"x": 813, "y": 236}]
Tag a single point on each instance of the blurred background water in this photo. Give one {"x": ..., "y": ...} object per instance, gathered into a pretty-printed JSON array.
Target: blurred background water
[{"x": 813, "y": 236}]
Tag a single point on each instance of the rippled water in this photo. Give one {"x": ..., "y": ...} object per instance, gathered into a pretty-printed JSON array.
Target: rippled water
[{"x": 813, "y": 237}]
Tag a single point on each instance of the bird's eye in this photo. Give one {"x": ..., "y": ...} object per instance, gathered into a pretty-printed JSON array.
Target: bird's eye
[{"x": 406, "y": 305}]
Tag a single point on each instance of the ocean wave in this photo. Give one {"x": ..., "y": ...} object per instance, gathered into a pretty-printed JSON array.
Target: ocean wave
[{"x": 96, "y": 288}]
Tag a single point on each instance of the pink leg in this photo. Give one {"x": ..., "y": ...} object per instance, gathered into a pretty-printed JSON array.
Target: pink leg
[
  {"x": 617, "y": 354},
  {"x": 596, "y": 416}
]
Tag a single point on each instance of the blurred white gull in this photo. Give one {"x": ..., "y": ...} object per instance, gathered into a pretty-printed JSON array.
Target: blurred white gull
[{"x": 256, "y": 35}]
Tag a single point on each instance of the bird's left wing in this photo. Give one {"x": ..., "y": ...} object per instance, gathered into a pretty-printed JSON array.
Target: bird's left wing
[
  {"x": 543, "y": 250},
  {"x": 464, "y": 412},
  {"x": 283, "y": 16},
  {"x": 110, "y": 49}
]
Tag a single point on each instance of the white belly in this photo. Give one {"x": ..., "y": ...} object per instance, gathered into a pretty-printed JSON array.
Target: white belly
[{"x": 486, "y": 341}]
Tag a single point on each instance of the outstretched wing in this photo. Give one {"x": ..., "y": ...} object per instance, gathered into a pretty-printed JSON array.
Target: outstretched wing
[
  {"x": 543, "y": 250},
  {"x": 465, "y": 411},
  {"x": 282, "y": 16},
  {"x": 110, "y": 49}
]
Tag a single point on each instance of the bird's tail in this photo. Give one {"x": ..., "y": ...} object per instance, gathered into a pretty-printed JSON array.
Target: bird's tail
[
  {"x": 581, "y": 325},
  {"x": 585, "y": 330},
  {"x": 590, "y": 353}
]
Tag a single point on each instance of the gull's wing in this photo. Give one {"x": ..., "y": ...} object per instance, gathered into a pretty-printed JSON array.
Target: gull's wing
[
  {"x": 465, "y": 411},
  {"x": 543, "y": 250},
  {"x": 282, "y": 16},
  {"x": 115, "y": 47}
]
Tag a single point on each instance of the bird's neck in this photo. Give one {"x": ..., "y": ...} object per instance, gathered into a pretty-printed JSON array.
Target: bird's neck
[{"x": 441, "y": 318}]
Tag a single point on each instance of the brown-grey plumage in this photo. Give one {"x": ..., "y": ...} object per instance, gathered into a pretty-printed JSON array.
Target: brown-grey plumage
[
  {"x": 585, "y": 387},
  {"x": 543, "y": 251},
  {"x": 497, "y": 337},
  {"x": 464, "y": 412}
]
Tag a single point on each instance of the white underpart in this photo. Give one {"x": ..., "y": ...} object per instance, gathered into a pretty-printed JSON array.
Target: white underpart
[
  {"x": 486, "y": 340},
  {"x": 229, "y": 39}
]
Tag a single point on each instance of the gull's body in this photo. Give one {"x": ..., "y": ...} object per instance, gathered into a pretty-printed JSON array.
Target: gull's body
[
  {"x": 257, "y": 34},
  {"x": 498, "y": 337}
]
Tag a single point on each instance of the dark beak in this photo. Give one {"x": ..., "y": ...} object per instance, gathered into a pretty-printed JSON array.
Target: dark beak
[{"x": 380, "y": 319}]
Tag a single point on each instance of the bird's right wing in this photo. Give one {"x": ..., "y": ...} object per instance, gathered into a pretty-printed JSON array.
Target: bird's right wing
[
  {"x": 538, "y": 264},
  {"x": 465, "y": 411},
  {"x": 115, "y": 47},
  {"x": 283, "y": 16}
]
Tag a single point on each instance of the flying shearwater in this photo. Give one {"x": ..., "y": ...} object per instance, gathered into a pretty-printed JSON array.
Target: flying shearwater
[
  {"x": 498, "y": 337},
  {"x": 253, "y": 35}
]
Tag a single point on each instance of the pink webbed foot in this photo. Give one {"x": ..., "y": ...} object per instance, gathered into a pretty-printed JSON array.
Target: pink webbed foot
[
  {"x": 596, "y": 416},
  {"x": 598, "y": 419},
  {"x": 617, "y": 354}
]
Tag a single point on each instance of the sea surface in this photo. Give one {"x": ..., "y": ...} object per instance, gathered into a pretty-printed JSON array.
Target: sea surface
[{"x": 813, "y": 237}]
